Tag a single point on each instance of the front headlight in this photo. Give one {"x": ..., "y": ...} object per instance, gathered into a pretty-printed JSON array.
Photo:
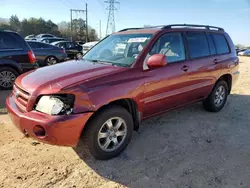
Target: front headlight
[{"x": 55, "y": 105}]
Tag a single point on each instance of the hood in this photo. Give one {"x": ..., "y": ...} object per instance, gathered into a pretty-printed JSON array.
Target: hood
[{"x": 56, "y": 77}]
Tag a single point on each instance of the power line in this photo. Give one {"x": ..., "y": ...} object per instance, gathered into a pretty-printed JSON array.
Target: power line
[
  {"x": 85, "y": 20},
  {"x": 65, "y": 3},
  {"x": 111, "y": 16}
]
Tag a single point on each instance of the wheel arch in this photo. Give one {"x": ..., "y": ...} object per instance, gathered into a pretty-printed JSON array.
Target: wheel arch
[
  {"x": 12, "y": 65},
  {"x": 228, "y": 79},
  {"x": 129, "y": 104}
]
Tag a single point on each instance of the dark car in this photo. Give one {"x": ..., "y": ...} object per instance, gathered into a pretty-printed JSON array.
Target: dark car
[
  {"x": 105, "y": 96},
  {"x": 16, "y": 57},
  {"x": 72, "y": 49},
  {"x": 47, "y": 54},
  {"x": 51, "y": 39}
]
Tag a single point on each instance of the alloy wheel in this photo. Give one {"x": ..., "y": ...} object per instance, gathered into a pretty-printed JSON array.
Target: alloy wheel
[
  {"x": 112, "y": 134},
  {"x": 7, "y": 79},
  {"x": 220, "y": 95},
  {"x": 51, "y": 61}
]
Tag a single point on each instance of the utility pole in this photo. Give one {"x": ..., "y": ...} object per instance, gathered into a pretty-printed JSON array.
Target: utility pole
[
  {"x": 87, "y": 32},
  {"x": 71, "y": 26},
  {"x": 85, "y": 13},
  {"x": 111, "y": 17},
  {"x": 100, "y": 29}
]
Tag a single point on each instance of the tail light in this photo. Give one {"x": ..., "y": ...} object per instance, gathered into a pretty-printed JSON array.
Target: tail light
[{"x": 32, "y": 57}]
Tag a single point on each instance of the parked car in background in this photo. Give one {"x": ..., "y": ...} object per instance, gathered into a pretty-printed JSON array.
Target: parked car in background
[
  {"x": 41, "y": 36},
  {"x": 105, "y": 96},
  {"x": 80, "y": 42},
  {"x": 51, "y": 39},
  {"x": 72, "y": 49},
  {"x": 47, "y": 54},
  {"x": 87, "y": 46},
  {"x": 16, "y": 57},
  {"x": 30, "y": 37},
  {"x": 244, "y": 52}
]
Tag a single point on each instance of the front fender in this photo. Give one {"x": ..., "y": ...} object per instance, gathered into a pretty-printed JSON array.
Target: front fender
[{"x": 12, "y": 64}]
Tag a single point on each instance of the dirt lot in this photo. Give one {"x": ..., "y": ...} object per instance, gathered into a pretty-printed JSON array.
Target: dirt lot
[{"x": 187, "y": 148}]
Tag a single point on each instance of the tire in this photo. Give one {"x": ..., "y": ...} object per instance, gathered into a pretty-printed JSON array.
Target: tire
[
  {"x": 51, "y": 60},
  {"x": 7, "y": 83},
  {"x": 212, "y": 103},
  {"x": 79, "y": 55},
  {"x": 97, "y": 126}
]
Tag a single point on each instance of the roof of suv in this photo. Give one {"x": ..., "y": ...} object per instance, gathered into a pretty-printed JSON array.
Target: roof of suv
[{"x": 155, "y": 29}]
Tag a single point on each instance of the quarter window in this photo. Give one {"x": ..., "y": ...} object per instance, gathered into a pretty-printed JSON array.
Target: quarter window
[
  {"x": 171, "y": 45},
  {"x": 220, "y": 43},
  {"x": 197, "y": 45}
]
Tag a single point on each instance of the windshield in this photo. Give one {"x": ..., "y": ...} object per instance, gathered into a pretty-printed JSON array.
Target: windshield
[{"x": 120, "y": 50}]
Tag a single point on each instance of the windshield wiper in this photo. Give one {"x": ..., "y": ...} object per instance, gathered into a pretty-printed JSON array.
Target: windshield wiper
[{"x": 100, "y": 61}]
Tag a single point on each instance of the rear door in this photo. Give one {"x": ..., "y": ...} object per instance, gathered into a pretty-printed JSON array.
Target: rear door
[
  {"x": 71, "y": 49},
  {"x": 202, "y": 57}
]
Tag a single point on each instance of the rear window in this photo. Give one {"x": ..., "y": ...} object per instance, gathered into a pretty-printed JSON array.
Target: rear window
[
  {"x": 220, "y": 43},
  {"x": 197, "y": 45},
  {"x": 8, "y": 41}
]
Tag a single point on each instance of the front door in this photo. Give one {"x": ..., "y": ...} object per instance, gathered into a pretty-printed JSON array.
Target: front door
[{"x": 167, "y": 87}]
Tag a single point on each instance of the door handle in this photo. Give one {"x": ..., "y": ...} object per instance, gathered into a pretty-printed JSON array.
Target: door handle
[
  {"x": 216, "y": 61},
  {"x": 185, "y": 68}
]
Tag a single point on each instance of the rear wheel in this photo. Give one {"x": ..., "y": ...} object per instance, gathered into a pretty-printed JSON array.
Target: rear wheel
[
  {"x": 51, "y": 60},
  {"x": 7, "y": 77},
  {"x": 217, "y": 98},
  {"x": 108, "y": 133}
]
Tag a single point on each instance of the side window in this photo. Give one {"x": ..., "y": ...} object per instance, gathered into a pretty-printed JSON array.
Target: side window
[
  {"x": 197, "y": 45},
  {"x": 7, "y": 41},
  {"x": 70, "y": 45},
  {"x": 61, "y": 45},
  {"x": 34, "y": 45},
  {"x": 45, "y": 46},
  {"x": 47, "y": 36},
  {"x": 171, "y": 45},
  {"x": 211, "y": 44},
  {"x": 221, "y": 43}
]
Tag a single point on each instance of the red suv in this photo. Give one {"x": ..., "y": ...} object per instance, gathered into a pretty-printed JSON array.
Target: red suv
[{"x": 130, "y": 75}]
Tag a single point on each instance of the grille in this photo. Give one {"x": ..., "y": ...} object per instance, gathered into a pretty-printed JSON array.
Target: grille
[{"x": 21, "y": 97}]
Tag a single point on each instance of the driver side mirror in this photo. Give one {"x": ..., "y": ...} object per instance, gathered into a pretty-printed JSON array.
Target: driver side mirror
[{"x": 157, "y": 60}]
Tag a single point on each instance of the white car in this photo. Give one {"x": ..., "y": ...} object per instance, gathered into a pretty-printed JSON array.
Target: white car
[
  {"x": 87, "y": 46},
  {"x": 244, "y": 53}
]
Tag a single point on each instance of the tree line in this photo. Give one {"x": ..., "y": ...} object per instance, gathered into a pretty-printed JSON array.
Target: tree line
[{"x": 37, "y": 26}]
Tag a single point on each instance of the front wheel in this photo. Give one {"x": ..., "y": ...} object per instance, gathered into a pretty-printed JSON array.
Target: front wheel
[
  {"x": 79, "y": 55},
  {"x": 108, "y": 133},
  {"x": 7, "y": 78},
  {"x": 217, "y": 98}
]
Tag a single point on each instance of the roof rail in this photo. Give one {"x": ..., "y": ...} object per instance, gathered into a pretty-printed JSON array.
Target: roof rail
[
  {"x": 208, "y": 27},
  {"x": 135, "y": 28},
  {"x": 126, "y": 29}
]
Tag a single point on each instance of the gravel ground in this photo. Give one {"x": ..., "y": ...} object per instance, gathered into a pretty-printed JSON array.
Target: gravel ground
[{"x": 186, "y": 148}]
